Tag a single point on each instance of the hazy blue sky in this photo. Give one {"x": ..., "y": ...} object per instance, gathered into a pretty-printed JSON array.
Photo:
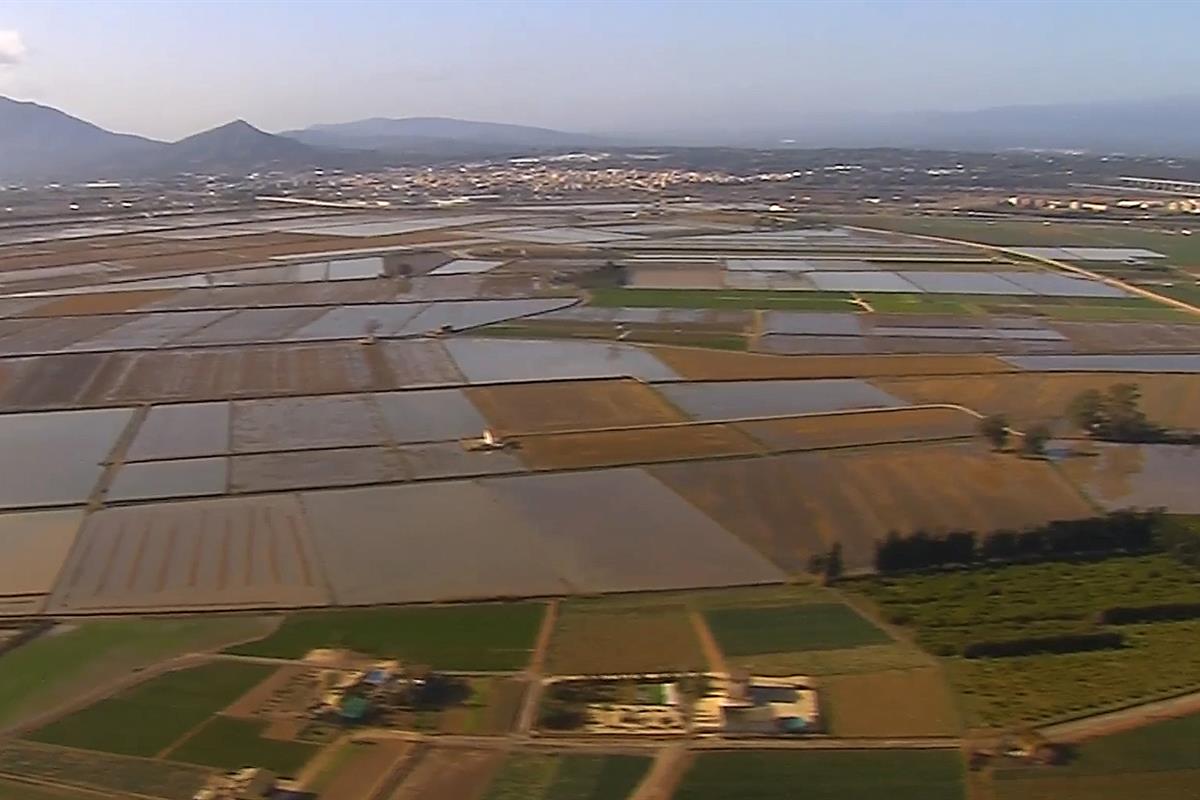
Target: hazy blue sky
[{"x": 167, "y": 69}]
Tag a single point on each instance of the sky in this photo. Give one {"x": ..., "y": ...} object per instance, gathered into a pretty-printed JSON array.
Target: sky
[{"x": 168, "y": 69}]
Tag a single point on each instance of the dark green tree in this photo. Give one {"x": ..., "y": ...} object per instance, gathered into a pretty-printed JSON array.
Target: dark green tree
[
  {"x": 1086, "y": 411},
  {"x": 994, "y": 428},
  {"x": 1036, "y": 438}
]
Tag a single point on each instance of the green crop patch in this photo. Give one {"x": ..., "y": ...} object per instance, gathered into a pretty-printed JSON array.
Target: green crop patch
[
  {"x": 228, "y": 743},
  {"x": 791, "y": 628},
  {"x": 950, "y": 610},
  {"x": 825, "y": 775},
  {"x": 100, "y": 772},
  {"x": 1161, "y": 760},
  {"x": 144, "y": 720},
  {"x": 52, "y": 669},
  {"x": 541, "y": 776},
  {"x": 723, "y": 298},
  {"x": 492, "y": 636}
]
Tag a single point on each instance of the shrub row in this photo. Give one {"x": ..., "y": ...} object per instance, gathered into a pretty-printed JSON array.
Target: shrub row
[
  {"x": 1116, "y": 532},
  {"x": 1163, "y": 612},
  {"x": 1067, "y": 643}
]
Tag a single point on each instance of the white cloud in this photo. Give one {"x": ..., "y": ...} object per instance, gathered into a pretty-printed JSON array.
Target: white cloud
[{"x": 12, "y": 48}]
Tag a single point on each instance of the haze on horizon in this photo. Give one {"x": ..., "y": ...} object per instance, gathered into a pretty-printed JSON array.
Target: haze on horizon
[{"x": 167, "y": 70}]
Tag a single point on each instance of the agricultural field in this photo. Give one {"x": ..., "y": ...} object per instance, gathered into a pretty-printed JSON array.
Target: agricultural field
[
  {"x": 450, "y": 773},
  {"x": 570, "y": 406},
  {"x": 1183, "y": 249},
  {"x": 1172, "y": 400},
  {"x": 149, "y": 718},
  {"x": 15, "y": 790},
  {"x": 754, "y": 630},
  {"x": 792, "y": 506},
  {"x": 825, "y": 775},
  {"x": 899, "y": 425},
  {"x": 837, "y": 642},
  {"x": 618, "y": 636},
  {"x": 644, "y": 446},
  {"x": 1137, "y": 476},
  {"x": 949, "y": 610},
  {"x": 100, "y": 771},
  {"x": 902, "y": 703},
  {"x": 700, "y": 365},
  {"x": 1157, "y": 762},
  {"x": 492, "y": 636},
  {"x": 721, "y": 298},
  {"x": 202, "y": 554},
  {"x": 228, "y": 743},
  {"x": 76, "y": 658},
  {"x": 357, "y": 768},
  {"x": 543, "y": 776}
]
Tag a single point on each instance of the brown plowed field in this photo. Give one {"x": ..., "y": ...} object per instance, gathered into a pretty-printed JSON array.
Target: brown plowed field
[
  {"x": 362, "y": 769},
  {"x": 64, "y": 380},
  {"x": 644, "y": 446},
  {"x": 914, "y": 702},
  {"x": 570, "y": 405},
  {"x": 864, "y": 428},
  {"x": 202, "y": 554},
  {"x": 1172, "y": 400},
  {"x": 414, "y": 363},
  {"x": 1117, "y": 337},
  {"x": 450, "y": 773},
  {"x": 788, "y": 505},
  {"x": 716, "y": 365},
  {"x": 593, "y": 639},
  {"x": 99, "y": 303}
]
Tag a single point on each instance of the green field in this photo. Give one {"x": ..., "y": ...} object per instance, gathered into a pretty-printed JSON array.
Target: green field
[
  {"x": 1153, "y": 760},
  {"x": 712, "y": 341},
  {"x": 542, "y": 776},
  {"x": 100, "y": 771},
  {"x": 227, "y": 743},
  {"x": 1029, "y": 233},
  {"x": 144, "y": 720},
  {"x": 951, "y": 609},
  {"x": 54, "y": 668},
  {"x": 754, "y": 630},
  {"x": 1186, "y": 293},
  {"x": 492, "y": 636},
  {"x": 722, "y": 298},
  {"x": 13, "y": 790},
  {"x": 825, "y": 775}
]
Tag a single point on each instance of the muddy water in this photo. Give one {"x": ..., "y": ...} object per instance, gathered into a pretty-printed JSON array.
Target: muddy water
[
  {"x": 69, "y": 448},
  {"x": 1138, "y": 476}
]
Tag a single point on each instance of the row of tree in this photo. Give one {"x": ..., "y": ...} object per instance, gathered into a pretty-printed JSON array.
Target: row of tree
[{"x": 1116, "y": 532}]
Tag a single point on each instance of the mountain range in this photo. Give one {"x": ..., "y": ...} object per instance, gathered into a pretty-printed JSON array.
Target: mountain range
[{"x": 42, "y": 143}]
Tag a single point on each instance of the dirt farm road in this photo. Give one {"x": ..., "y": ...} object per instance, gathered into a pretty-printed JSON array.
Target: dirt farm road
[{"x": 1123, "y": 719}]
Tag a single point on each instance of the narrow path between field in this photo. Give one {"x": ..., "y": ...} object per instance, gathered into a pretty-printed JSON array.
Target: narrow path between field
[
  {"x": 1124, "y": 719},
  {"x": 664, "y": 776},
  {"x": 533, "y": 691},
  {"x": 708, "y": 643}
]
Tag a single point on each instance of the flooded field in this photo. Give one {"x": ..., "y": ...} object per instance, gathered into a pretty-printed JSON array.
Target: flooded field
[
  {"x": 429, "y": 415},
  {"x": 300, "y": 423},
  {"x": 662, "y": 542},
  {"x": 510, "y": 360},
  {"x": 70, "y": 448},
  {"x": 435, "y": 541},
  {"x": 858, "y": 429},
  {"x": 191, "y": 555},
  {"x": 570, "y": 405},
  {"x": 1137, "y": 476},
  {"x": 452, "y": 460},
  {"x": 415, "y": 363},
  {"x": 859, "y": 497},
  {"x": 186, "y": 430},
  {"x": 739, "y": 399},
  {"x": 193, "y": 477},
  {"x": 713, "y": 365},
  {"x": 641, "y": 446},
  {"x": 314, "y": 469}
]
